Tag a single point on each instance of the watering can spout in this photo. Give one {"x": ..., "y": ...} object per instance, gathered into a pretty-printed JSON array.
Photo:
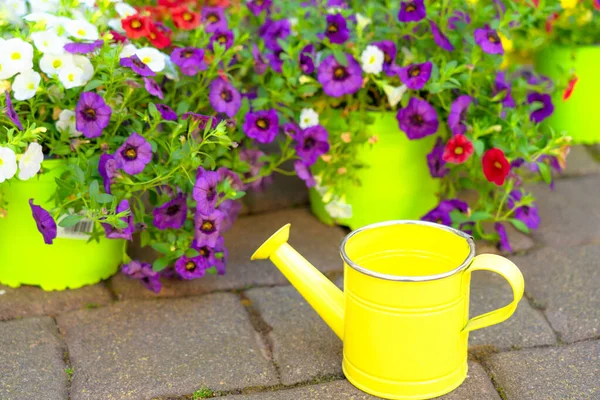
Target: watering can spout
[{"x": 326, "y": 298}]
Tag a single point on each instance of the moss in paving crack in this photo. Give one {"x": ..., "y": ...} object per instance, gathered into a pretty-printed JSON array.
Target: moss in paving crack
[
  {"x": 91, "y": 306},
  {"x": 203, "y": 393},
  {"x": 69, "y": 371}
]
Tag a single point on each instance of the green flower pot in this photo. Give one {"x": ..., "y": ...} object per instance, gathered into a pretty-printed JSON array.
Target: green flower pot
[
  {"x": 397, "y": 183},
  {"x": 67, "y": 263},
  {"x": 579, "y": 115}
]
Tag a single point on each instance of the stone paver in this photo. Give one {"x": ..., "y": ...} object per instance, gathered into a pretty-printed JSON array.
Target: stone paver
[
  {"x": 31, "y": 360},
  {"x": 284, "y": 192},
  {"x": 565, "y": 281},
  {"x": 477, "y": 386},
  {"x": 570, "y": 214},
  {"x": 527, "y": 327},
  {"x": 303, "y": 345},
  {"x": 317, "y": 242},
  {"x": 581, "y": 162},
  {"x": 560, "y": 373},
  {"x": 142, "y": 349},
  {"x": 30, "y": 300}
]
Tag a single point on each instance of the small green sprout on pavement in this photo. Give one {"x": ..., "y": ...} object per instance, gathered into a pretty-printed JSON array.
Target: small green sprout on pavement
[{"x": 202, "y": 393}]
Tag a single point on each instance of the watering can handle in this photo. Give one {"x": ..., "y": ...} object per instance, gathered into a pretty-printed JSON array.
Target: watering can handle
[{"x": 510, "y": 272}]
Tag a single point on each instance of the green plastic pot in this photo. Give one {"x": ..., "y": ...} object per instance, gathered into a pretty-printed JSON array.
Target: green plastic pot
[
  {"x": 67, "y": 263},
  {"x": 397, "y": 183},
  {"x": 579, "y": 115}
]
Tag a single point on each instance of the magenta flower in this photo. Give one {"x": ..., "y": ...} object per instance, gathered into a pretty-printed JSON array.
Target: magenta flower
[
  {"x": 500, "y": 85},
  {"x": 488, "y": 40},
  {"x": 307, "y": 56},
  {"x": 253, "y": 158},
  {"x": 291, "y": 129},
  {"x": 208, "y": 228},
  {"x": 205, "y": 190},
  {"x": 10, "y": 111},
  {"x": 258, "y": 6},
  {"x": 108, "y": 168},
  {"x": 441, "y": 213},
  {"x": 208, "y": 255},
  {"x": 527, "y": 214},
  {"x": 545, "y": 111},
  {"x": 272, "y": 31},
  {"x": 435, "y": 160},
  {"x": 262, "y": 126},
  {"x": 143, "y": 272},
  {"x": 190, "y": 60},
  {"x": 92, "y": 115},
  {"x": 337, "y": 79},
  {"x": 172, "y": 214},
  {"x": 213, "y": 18},
  {"x": 153, "y": 88},
  {"x": 312, "y": 142},
  {"x": 439, "y": 38},
  {"x": 234, "y": 179},
  {"x": 134, "y": 154},
  {"x": 190, "y": 268},
  {"x": 224, "y": 97},
  {"x": 260, "y": 64},
  {"x": 304, "y": 173},
  {"x": 415, "y": 76},
  {"x": 275, "y": 61},
  {"x": 222, "y": 36},
  {"x": 121, "y": 233},
  {"x": 389, "y": 56},
  {"x": 458, "y": 113},
  {"x": 412, "y": 11},
  {"x": 418, "y": 119},
  {"x": 337, "y": 29},
  {"x": 166, "y": 112},
  {"x": 458, "y": 17},
  {"x": 504, "y": 244},
  {"x": 83, "y": 48},
  {"x": 136, "y": 65},
  {"x": 44, "y": 221}
]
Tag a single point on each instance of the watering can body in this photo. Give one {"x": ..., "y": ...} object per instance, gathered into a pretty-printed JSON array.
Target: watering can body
[{"x": 404, "y": 313}]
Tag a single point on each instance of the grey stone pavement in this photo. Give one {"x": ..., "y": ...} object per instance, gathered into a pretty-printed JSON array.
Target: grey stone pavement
[{"x": 249, "y": 336}]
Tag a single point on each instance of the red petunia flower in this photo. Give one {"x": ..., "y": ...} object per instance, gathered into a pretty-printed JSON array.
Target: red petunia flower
[
  {"x": 170, "y": 3},
  {"x": 458, "y": 149},
  {"x": 570, "y": 87},
  {"x": 550, "y": 21},
  {"x": 136, "y": 26},
  {"x": 495, "y": 166},
  {"x": 183, "y": 18},
  {"x": 158, "y": 37},
  {"x": 597, "y": 4},
  {"x": 117, "y": 37}
]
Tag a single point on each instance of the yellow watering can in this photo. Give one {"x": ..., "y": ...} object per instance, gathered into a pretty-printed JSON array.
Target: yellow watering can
[{"x": 403, "y": 315}]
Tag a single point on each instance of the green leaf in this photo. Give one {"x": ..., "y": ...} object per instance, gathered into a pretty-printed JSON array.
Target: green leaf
[
  {"x": 479, "y": 147},
  {"x": 144, "y": 238},
  {"x": 93, "y": 85},
  {"x": 458, "y": 217},
  {"x": 70, "y": 220},
  {"x": 160, "y": 264},
  {"x": 340, "y": 57},
  {"x": 480, "y": 216},
  {"x": 191, "y": 253},
  {"x": 545, "y": 172},
  {"x": 104, "y": 198},
  {"x": 163, "y": 248},
  {"x": 94, "y": 189},
  {"x": 520, "y": 225},
  {"x": 450, "y": 66}
]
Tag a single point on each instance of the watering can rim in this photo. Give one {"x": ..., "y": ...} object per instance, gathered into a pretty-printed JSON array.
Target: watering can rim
[{"x": 400, "y": 278}]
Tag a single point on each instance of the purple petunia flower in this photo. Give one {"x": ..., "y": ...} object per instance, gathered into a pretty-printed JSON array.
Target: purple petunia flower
[
  {"x": 415, "y": 76},
  {"x": 458, "y": 17},
  {"x": 222, "y": 36},
  {"x": 337, "y": 79},
  {"x": 527, "y": 214},
  {"x": 92, "y": 114},
  {"x": 83, "y": 48},
  {"x": 312, "y": 142},
  {"x": 258, "y": 6},
  {"x": 190, "y": 60},
  {"x": 144, "y": 272},
  {"x": 272, "y": 31},
  {"x": 172, "y": 214},
  {"x": 545, "y": 111},
  {"x": 262, "y": 126},
  {"x": 337, "y": 30},
  {"x": 488, "y": 40},
  {"x": 439, "y": 38},
  {"x": 134, "y": 154},
  {"x": 253, "y": 158},
  {"x": 388, "y": 48},
  {"x": 213, "y": 18},
  {"x": 153, "y": 88},
  {"x": 234, "y": 179},
  {"x": 230, "y": 209},
  {"x": 291, "y": 129},
  {"x": 504, "y": 244},
  {"x": 208, "y": 227},
  {"x": 224, "y": 97},
  {"x": 205, "y": 190},
  {"x": 44, "y": 221},
  {"x": 190, "y": 268},
  {"x": 137, "y": 65},
  {"x": 121, "y": 233},
  {"x": 275, "y": 61},
  {"x": 458, "y": 112},
  {"x": 307, "y": 56},
  {"x": 412, "y": 10},
  {"x": 108, "y": 168},
  {"x": 260, "y": 64},
  {"x": 435, "y": 161},
  {"x": 221, "y": 261},
  {"x": 199, "y": 123},
  {"x": 10, "y": 111},
  {"x": 166, "y": 112},
  {"x": 502, "y": 86},
  {"x": 441, "y": 213},
  {"x": 418, "y": 119},
  {"x": 304, "y": 173}
]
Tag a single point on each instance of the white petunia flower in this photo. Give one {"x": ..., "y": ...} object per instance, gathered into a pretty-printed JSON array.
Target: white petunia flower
[
  {"x": 308, "y": 118},
  {"x": 362, "y": 21},
  {"x": 14, "y": 8},
  {"x": 60, "y": 25},
  {"x": 86, "y": 65},
  {"x": 18, "y": 54},
  {"x": 125, "y": 10},
  {"x": 44, "y": 5},
  {"x": 372, "y": 59},
  {"x": 394, "y": 94},
  {"x": 154, "y": 59},
  {"x": 43, "y": 19},
  {"x": 31, "y": 162},
  {"x": 128, "y": 51},
  {"x": 8, "y": 163},
  {"x": 26, "y": 84},
  {"x": 116, "y": 25},
  {"x": 338, "y": 209},
  {"x": 51, "y": 64},
  {"x": 49, "y": 42},
  {"x": 81, "y": 29},
  {"x": 7, "y": 69},
  {"x": 71, "y": 76},
  {"x": 67, "y": 123}
]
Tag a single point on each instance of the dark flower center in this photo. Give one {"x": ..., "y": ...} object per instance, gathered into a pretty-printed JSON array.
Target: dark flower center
[
  {"x": 226, "y": 95},
  {"x": 262, "y": 123},
  {"x": 340, "y": 73},
  {"x": 135, "y": 24},
  {"x": 259, "y": 2},
  {"x": 458, "y": 150},
  {"x": 146, "y": 280},
  {"x": 386, "y": 58},
  {"x": 137, "y": 62},
  {"x": 89, "y": 114},
  {"x": 498, "y": 165},
  {"x": 207, "y": 226},
  {"x": 204, "y": 252},
  {"x": 414, "y": 71},
  {"x": 212, "y": 18},
  {"x": 439, "y": 221},
  {"x": 187, "y": 53},
  {"x": 416, "y": 119},
  {"x": 173, "y": 210},
  {"x": 152, "y": 35},
  {"x": 309, "y": 143},
  {"x": 190, "y": 266},
  {"x": 130, "y": 153},
  {"x": 187, "y": 16},
  {"x": 211, "y": 193},
  {"x": 332, "y": 28},
  {"x": 410, "y": 7},
  {"x": 493, "y": 37},
  {"x": 222, "y": 39}
]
